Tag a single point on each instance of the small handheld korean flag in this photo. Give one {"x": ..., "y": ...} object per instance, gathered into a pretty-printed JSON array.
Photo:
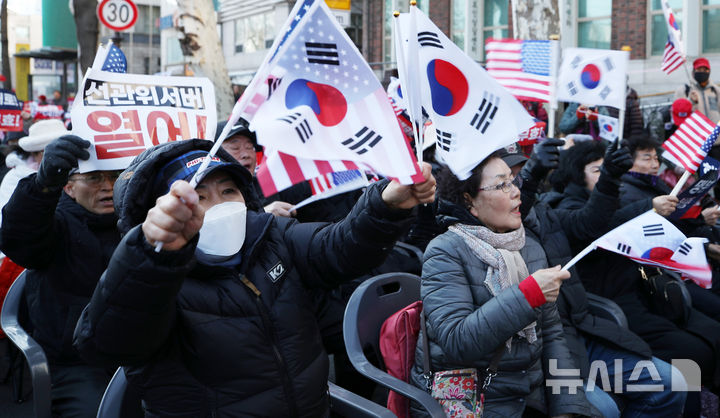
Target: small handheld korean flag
[
  {"x": 651, "y": 239},
  {"x": 593, "y": 76},
  {"x": 321, "y": 101},
  {"x": 608, "y": 127},
  {"x": 472, "y": 113}
]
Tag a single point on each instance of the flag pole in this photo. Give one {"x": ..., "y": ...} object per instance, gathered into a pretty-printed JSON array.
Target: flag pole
[
  {"x": 683, "y": 179},
  {"x": 578, "y": 257},
  {"x": 554, "y": 58},
  {"x": 621, "y": 125},
  {"x": 242, "y": 103}
]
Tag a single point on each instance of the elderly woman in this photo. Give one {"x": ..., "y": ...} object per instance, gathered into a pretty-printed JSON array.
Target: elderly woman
[{"x": 479, "y": 298}]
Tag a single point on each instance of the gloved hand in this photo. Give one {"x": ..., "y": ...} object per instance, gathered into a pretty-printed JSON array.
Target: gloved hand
[
  {"x": 545, "y": 157},
  {"x": 617, "y": 160},
  {"x": 60, "y": 156}
]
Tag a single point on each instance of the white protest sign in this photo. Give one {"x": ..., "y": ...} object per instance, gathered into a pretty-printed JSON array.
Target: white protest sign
[{"x": 124, "y": 114}]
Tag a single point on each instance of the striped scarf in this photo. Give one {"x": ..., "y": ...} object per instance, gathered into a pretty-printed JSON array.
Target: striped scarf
[{"x": 501, "y": 252}]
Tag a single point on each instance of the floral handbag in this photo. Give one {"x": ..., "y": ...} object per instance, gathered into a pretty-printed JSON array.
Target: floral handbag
[{"x": 456, "y": 391}]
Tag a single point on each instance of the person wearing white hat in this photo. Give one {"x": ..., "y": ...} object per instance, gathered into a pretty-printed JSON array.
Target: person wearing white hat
[{"x": 26, "y": 160}]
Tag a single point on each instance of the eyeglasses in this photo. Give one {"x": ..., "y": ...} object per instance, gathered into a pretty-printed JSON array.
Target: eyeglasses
[
  {"x": 98, "y": 177},
  {"x": 505, "y": 186}
]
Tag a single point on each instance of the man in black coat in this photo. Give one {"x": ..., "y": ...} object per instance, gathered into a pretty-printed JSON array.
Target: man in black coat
[
  {"x": 225, "y": 326},
  {"x": 62, "y": 229}
]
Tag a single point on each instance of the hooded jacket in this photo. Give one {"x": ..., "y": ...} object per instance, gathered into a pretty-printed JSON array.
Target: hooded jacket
[
  {"x": 65, "y": 248},
  {"x": 466, "y": 324},
  {"x": 201, "y": 340}
]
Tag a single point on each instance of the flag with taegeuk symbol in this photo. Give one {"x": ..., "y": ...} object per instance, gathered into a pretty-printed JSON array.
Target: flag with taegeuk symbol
[
  {"x": 691, "y": 142},
  {"x": 653, "y": 240},
  {"x": 316, "y": 99},
  {"x": 596, "y": 77},
  {"x": 472, "y": 113}
]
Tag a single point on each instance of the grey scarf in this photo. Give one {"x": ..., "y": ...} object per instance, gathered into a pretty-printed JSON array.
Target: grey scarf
[{"x": 501, "y": 252}]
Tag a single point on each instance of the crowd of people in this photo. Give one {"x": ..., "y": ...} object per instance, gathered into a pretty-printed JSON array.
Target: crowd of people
[{"x": 219, "y": 301}]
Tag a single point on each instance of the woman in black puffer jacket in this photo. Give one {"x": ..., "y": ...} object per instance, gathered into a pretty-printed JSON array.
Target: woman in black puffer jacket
[{"x": 206, "y": 331}]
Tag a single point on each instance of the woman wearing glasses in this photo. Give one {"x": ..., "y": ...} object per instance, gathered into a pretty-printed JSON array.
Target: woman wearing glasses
[{"x": 481, "y": 302}]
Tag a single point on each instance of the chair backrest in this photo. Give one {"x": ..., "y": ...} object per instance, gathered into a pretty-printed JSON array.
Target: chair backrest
[
  {"x": 32, "y": 351},
  {"x": 606, "y": 308},
  {"x": 369, "y": 306},
  {"x": 118, "y": 401},
  {"x": 348, "y": 404},
  {"x": 111, "y": 403}
]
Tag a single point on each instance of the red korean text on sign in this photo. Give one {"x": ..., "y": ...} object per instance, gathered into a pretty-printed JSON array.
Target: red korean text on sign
[{"x": 116, "y": 145}]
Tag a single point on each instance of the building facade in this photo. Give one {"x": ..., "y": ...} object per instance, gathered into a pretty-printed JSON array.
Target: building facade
[{"x": 247, "y": 29}]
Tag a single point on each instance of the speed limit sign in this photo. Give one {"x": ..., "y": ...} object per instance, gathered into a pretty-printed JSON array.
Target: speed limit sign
[{"x": 117, "y": 14}]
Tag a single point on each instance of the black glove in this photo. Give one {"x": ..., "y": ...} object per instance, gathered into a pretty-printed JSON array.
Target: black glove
[
  {"x": 545, "y": 157},
  {"x": 617, "y": 161},
  {"x": 59, "y": 158}
]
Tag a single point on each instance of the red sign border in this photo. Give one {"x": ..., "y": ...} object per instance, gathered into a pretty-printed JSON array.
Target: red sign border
[{"x": 117, "y": 28}]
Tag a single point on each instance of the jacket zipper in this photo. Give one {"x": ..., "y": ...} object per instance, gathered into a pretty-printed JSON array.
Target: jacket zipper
[{"x": 279, "y": 360}]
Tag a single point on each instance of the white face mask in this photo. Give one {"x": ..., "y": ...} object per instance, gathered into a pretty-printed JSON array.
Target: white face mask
[{"x": 223, "y": 231}]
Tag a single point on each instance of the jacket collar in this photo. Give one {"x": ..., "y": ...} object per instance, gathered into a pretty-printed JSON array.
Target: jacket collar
[
  {"x": 450, "y": 213},
  {"x": 68, "y": 205}
]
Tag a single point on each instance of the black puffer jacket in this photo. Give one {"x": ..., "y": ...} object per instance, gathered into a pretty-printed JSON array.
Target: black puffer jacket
[
  {"x": 466, "y": 324},
  {"x": 204, "y": 341},
  {"x": 550, "y": 227},
  {"x": 65, "y": 249}
]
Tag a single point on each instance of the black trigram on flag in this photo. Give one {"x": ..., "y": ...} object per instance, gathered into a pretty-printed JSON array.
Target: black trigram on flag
[
  {"x": 363, "y": 140},
  {"x": 575, "y": 62},
  {"x": 653, "y": 230},
  {"x": 302, "y": 127},
  {"x": 486, "y": 112},
  {"x": 605, "y": 92},
  {"x": 609, "y": 63},
  {"x": 429, "y": 39},
  {"x": 444, "y": 140},
  {"x": 273, "y": 84},
  {"x": 625, "y": 249},
  {"x": 685, "y": 248},
  {"x": 572, "y": 88},
  {"x": 322, "y": 53}
]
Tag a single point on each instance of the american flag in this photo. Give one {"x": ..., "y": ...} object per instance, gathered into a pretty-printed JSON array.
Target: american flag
[
  {"x": 673, "y": 57},
  {"x": 523, "y": 67},
  {"x": 279, "y": 170},
  {"x": 691, "y": 142},
  {"x": 115, "y": 61},
  {"x": 327, "y": 182},
  {"x": 672, "y": 60}
]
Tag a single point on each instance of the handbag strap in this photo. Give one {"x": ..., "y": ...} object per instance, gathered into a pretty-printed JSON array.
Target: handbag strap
[
  {"x": 490, "y": 371},
  {"x": 427, "y": 373}
]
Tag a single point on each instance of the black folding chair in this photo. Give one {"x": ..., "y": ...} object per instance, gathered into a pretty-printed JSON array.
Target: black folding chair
[
  {"x": 119, "y": 402},
  {"x": 370, "y": 305},
  {"x": 10, "y": 320}
]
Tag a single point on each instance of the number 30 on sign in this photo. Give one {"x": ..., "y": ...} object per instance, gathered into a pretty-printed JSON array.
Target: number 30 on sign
[{"x": 117, "y": 14}]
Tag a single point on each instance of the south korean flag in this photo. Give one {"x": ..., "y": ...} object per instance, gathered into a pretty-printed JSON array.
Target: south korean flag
[{"x": 593, "y": 77}]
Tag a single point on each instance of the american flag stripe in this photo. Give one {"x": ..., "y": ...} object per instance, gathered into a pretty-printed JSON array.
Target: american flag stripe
[
  {"x": 692, "y": 141},
  {"x": 672, "y": 60},
  {"x": 279, "y": 170},
  {"x": 505, "y": 64}
]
